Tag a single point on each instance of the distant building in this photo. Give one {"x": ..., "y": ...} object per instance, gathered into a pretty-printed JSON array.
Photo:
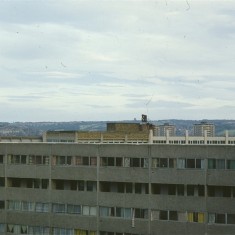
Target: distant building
[
  {"x": 204, "y": 127},
  {"x": 162, "y": 130}
]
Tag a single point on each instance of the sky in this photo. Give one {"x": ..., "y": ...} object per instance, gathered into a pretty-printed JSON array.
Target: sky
[{"x": 102, "y": 60}]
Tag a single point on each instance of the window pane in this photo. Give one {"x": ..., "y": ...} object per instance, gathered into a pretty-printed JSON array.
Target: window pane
[
  {"x": 211, "y": 164},
  {"x": 220, "y": 164}
]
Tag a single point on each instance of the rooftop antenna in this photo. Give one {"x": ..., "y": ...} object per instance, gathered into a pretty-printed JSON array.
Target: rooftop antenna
[{"x": 148, "y": 102}]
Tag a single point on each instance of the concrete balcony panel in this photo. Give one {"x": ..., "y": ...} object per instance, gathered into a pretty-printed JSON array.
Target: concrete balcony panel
[
  {"x": 28, "y": 194},
  {"x": 124, "y": 200},
  {"x": 178, "y": 176},
  {"x": 73, "y": 221},
  {"x": 221, "y": 177},
  {"x": 74, "y": 173},
  {"x": 74, "y": 197},
  {"x": 28, "y": 218},
  {"x": 28, "y": 171},
  {"x": 123, "y": 174},
  {"x": 138, "y": 226},
  {"x": 221, "y": 205},
  {"x": 178, "y": 203}
]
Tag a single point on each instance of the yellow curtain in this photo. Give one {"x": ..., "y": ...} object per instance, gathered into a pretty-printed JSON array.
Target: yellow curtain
[
  {"x": 79, "y": 232},
  {"x": 92, "y": 233},
  {"x": 190, "y": 217},
  {"x": 200, "y": 217}
]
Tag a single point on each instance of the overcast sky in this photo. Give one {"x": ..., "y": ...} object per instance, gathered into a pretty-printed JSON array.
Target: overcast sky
[{"x": 63, "y": 60}]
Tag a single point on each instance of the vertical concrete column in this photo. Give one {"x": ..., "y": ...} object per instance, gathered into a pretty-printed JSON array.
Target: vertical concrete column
[
  {"x": 167, "y": 136},
  {"x": 205, "y": 136},
  {"x": 186, "y": 136},
  {"x": 226, "y": 137},
  {"x": 150, "y": 136}
]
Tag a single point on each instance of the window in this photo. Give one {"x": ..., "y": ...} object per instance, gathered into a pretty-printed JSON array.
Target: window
[
  {"x": 180, "y": 190},
  {"x": 91, "y": 186},
  {"x": 230, "y": 218},
  {"x": 1, "y": 161},
  {"x": 163, "y": 215},
  {"x": 58, "y": 208},
  {"x": 190, "y": 163},
  {"x": 42, "y": 207},
  {"x": 135, "y": 162},
  {"x": 2, "y": 204},
  {"x": 93, "y": 161},
  {"x": 180, "y": 163},
  {"x": 141, "y": 213},
  {"x": 196, "y": 217},
  {"x": 220, "y": 219},
  {"x": 231, "y": 164},
  {"x": 190, "y": 190},
  {"x": 173, "y": 215},
  {"x": 119, "y": 161},
  {"x": 74, "y": 209}
]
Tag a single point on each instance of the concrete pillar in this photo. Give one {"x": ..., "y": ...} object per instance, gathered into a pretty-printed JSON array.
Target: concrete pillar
[
  {"x": 186, "y": 136},
  {"x": 150, "y": 136}
]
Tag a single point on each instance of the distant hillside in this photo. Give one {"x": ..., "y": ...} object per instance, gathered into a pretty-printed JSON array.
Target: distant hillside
[{"x": 37, "y": 128}]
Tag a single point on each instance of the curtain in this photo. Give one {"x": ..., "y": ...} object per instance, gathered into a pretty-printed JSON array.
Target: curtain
[
  {"x": 200, "y": 217},
  {"x": 190, "y": 216},
  {"x": 211, "y": 218},
  {"x": 80, "y": 232},
  {"x": 180, "y": 163}
]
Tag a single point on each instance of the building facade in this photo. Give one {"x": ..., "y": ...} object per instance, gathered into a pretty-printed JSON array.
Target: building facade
[
  {"x": 117, "y": 189},
  {"x": 165, "y": 130},
  {"x": 203, "y": 128}
]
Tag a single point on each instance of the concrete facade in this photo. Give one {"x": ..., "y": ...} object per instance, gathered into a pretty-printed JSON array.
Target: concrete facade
[{"x": 114, "y": 189}]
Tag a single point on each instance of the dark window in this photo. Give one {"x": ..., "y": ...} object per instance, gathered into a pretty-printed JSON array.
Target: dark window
[
  {"x": 59, "y": 184},
  {"x": 120, "y": 187},
  {"x": 190, "y": 190},
  {"x": 231, "y": 164},
  {"x": 173, "y": 215},
  {"x": 211, "y": 164},
  {"x": 171, "y": 189},
  {"x": 230, "y": 218},
  {"x": 45, "y": 183},
  {"x": 220, "y": 218},
  {"x": 190, "y": 163},
  {"x": 1, "y": 159},
  {"x": 85, "y": 161},
  {"x": 23, "y": 159},
  {"x": 2, "y": 182},
  {"x": 201, "y": 190},
  {"x": 226, "y": 191},
  {"x": 163, "y": 162},
  {"x": 163, "y": 215},
  {"x": 39, "y": 160},
  {"x": 135, "y": 162},
  {"x": 2, "y": 204},
  {"x": 128, "y": 187},
  {"x": 171, "y": 163},
  {"x": 138, "y": 187},
  {"x": 81, "y": 185},
  {"x": 91, "y": 186},
  {"x": 73, "y": 184},
  {"x": 180, "y": 189},
  {"x": 110, "y": 161},
  {"x": 141, "y": 213},
  {"x": 69, "y": 160},
  {"x": 119, "y": 161},
  {"x": 156, "y": 188},
  {"x": 199, "y": 163}
]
